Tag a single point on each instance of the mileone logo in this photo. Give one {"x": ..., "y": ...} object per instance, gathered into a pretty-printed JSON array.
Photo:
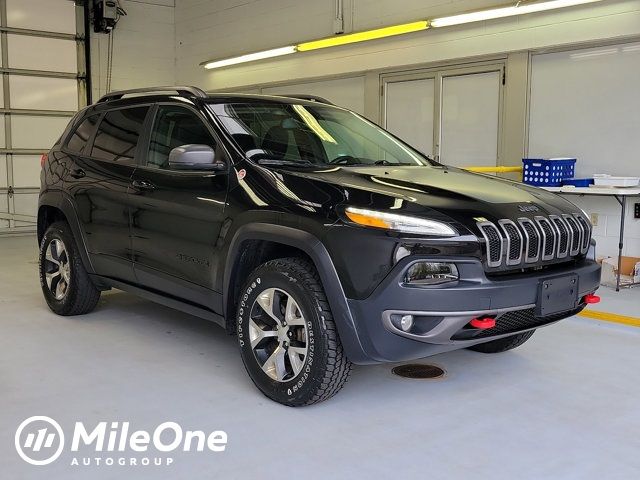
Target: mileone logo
[{"x": 40, "y": 440}]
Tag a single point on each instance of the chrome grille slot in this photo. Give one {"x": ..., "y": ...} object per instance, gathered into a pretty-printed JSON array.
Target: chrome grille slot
[
  {"x": 549, "y": 237},
  {"x": 563, "y": 230},
  {"x": 576, "y": 234},
  {"x": 532, "y": 240},
  {"x": 586, "y": 238},
  {"x": 514, "y": 241},
  {"x": 494, "y": 243}
]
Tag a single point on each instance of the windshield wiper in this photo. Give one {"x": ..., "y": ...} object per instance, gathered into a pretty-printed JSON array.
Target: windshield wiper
[
  {"x": 381, "y": 163},
  {"x": 285, "y": 163}
]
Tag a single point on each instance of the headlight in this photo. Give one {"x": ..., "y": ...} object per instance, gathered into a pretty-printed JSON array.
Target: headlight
[
  {"x": 431, "y": 273},
  {"x": 400, "y": 223}
]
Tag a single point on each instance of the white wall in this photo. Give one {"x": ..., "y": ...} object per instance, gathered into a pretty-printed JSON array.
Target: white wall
[
  {"x": 218, "y": 29},
  {"x": 144, "y": 48}
]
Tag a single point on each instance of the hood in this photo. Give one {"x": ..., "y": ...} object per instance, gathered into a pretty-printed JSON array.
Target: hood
[{"x": 451, "y": 192}]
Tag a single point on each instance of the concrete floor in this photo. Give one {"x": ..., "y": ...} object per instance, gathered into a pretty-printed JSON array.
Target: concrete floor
[{"x": 564, "y": 406}]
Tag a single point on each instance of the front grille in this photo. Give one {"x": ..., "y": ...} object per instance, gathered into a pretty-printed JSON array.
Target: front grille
[
  {"x": 518, "y": 320},
  {"x": 586, "y": 230},
  {"x": 563, "y": 248},
  {"x": 549, "y": 237},
  {"x": 533, "y": 239},
  {"x": 525, "y": 241},
  {"x": 494, "y": 243}
]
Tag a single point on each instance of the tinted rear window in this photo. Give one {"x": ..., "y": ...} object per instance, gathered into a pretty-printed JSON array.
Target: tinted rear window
[
  {"x": 82, "y": 134},
  {"x": 118, "y": 134}
]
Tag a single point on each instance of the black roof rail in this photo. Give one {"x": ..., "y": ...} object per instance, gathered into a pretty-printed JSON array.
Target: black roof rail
[
  {"x": 303, "y": 96},
  {"x": 182, "y": 91}
]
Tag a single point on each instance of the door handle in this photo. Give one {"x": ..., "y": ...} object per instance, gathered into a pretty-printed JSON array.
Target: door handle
[
  {"x": 143, "y": 185},
  {"x": 78, "y": 173}
]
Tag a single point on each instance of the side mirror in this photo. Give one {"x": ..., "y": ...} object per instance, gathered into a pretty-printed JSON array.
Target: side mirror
[{"x": 194, "y": 157}]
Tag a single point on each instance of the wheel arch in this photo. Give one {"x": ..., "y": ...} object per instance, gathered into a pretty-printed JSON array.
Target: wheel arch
[
  {"x": 55, "y": 206},
  {"x": 292, "y": 242}
]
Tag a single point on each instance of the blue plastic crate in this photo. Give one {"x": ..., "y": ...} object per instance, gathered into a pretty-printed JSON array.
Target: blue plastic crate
[{"x": 547, "y": 172}]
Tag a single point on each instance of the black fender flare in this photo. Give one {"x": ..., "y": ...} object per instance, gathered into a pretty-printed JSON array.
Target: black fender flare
[
  {"x": 313, "y": 247},
  {"x": 62, "y": 202}
]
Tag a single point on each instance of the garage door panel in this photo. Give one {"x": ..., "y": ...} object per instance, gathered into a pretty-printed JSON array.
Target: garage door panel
[
  {"x": 26, "y": 204},
  {"x": 26, "y": 171},
  {"x": 42, "y": 93},
  {"x": 4, "y": 208},
  {"x": 41, "y": 47},
  {"x": 36, "y": 132},
  {"x": 39, "y": 53},
  {"x": 3, "y": 172},
  {"x": 47, "y": 15}
]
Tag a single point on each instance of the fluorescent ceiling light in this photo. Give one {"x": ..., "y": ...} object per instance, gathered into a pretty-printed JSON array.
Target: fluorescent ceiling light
[
  {"x": 364, "y": 36},
  {"x": 250, "y": 57},
  {"x": 505, "y": 12},
  {"x": 518, "y": 9}
]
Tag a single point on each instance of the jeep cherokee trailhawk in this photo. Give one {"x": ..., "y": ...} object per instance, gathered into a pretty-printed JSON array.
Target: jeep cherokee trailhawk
[{"x": 313, "y": 235}]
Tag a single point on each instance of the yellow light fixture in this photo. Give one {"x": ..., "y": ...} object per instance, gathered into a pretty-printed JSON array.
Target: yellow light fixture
[
  {"x": 518, "y": 9},
  {"x": 364, "y": 36}
]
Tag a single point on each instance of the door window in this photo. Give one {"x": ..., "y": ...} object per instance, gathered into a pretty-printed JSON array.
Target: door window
[
  {"x": 82, "y": 134},
  {"x": 173, "y": 127},
  {"x": 118, "y": 134}
]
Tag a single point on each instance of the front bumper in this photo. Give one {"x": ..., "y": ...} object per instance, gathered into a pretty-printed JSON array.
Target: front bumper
[{"x": 443, "y": 312}]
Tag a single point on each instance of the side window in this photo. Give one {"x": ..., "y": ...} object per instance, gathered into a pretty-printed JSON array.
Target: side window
[
  {"x": 173, "y": 127},
  {"x": 82, "y": 134},
  {"x": 118, "y": 133}
]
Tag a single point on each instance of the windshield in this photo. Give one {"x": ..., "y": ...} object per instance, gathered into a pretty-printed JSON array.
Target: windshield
[{"x": 312, "y": 135}]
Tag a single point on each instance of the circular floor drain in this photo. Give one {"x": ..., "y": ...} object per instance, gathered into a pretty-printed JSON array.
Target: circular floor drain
[{"x": 418, "y": 370}]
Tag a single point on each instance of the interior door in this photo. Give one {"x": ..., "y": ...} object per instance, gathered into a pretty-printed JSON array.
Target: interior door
[
  {"x": 470, "y": 114},
  {"x": 409, "y": 111},
  {"x": 451, "y": 114},
  {"x": 177, "y": 215}
]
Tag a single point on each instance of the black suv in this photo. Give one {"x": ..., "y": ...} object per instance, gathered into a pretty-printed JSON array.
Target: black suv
[{"x": 315, "y": 236}]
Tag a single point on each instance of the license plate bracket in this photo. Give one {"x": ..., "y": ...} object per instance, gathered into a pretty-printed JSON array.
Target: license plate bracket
[{"x": 556, "y": 295}]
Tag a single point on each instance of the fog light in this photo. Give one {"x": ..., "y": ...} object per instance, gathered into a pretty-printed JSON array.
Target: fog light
[
  {"x": 431, "y": 273},
  {"x": 406, "y": 322}
]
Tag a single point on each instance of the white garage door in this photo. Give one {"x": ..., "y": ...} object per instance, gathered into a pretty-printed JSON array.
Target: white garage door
[{"x": 40, "y": 46}]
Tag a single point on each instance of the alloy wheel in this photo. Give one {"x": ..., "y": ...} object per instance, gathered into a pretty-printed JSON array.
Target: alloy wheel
[
  {"x": 278, "y": 334},
  {"x": 57, "y": 269}
]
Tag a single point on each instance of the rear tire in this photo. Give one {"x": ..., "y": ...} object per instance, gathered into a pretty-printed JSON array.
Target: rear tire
[
  {"x": 288, "y": 339},
  {"x": 65, "y": 283},
  {"x": 503, "y": 344}
]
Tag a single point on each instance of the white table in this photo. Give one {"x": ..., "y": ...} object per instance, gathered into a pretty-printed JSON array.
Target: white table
[{"x": 620, "y": 194}]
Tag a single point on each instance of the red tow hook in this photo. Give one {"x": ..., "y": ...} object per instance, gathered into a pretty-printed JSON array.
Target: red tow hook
[
  {"x": 483, "y": 323},
  {"x": 591, "y": 298}
]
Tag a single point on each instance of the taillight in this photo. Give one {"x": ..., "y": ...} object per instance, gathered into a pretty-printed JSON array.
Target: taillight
[{"x": 43, "y": 159}]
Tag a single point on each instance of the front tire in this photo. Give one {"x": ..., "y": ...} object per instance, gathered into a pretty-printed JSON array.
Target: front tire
[
  {"x": 65, "y": 283},
  {"x": 288, "y": 339},
  {"x": 503, "y": 344}
]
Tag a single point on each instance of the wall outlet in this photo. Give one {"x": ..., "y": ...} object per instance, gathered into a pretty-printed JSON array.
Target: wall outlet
[
  {"x": 636, "y": 210},
  {"x": 594, "y": 219}
]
